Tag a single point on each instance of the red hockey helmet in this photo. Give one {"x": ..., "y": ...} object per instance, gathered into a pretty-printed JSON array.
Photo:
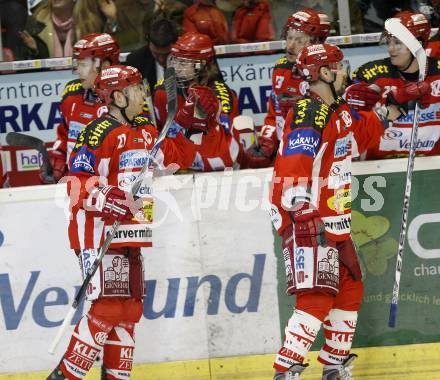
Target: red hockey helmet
[
  {"x": 310, "y": 22},
  {"x": 189, "y": 55},
  {"x": 194, "y": 45},
  {"x": 97, "y": 45},
  {"x": 313, "y": 57},
  {"x": 417, "y": 24},
  {"x": 115, "y": 78}
]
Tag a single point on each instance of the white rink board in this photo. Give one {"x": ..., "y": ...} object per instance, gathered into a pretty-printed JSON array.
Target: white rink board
[{"x": 221, "y": 241}]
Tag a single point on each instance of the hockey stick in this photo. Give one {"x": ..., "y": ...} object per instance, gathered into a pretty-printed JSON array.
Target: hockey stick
[
  {"x": 170, "y": 87},
  {"x": 395, "y": 28},
  {"x": 20, "y": 139}
]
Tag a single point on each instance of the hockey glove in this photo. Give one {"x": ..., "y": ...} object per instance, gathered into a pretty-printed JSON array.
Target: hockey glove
[
  {"x": 261, "y": 156},
  {"x": 115, "y": 204},
  {"x": 308, "y": 226},
  {"x": 58, "y": 161},
  {"x": 362, "y": 96},
  {"x": 200, "y": 106},
  {"x": 404, "y": 97}
]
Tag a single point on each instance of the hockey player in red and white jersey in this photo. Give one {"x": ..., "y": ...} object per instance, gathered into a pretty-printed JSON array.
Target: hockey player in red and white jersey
[
  {"x": 311, "y": 210},
  {"x": 192, "y": 56},
  {"x": 302, "y": 28},
  {"x": 79, "y": 104},
  {"x": 107, "y": 157},
  {"x": 398, "y": 70}
]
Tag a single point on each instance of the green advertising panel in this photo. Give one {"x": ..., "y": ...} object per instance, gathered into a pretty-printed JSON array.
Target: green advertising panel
[{"x": 376, "y": 219}]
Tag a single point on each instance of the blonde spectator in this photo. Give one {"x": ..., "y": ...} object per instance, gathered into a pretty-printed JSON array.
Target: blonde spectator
[{"x": 94, "y": 16}]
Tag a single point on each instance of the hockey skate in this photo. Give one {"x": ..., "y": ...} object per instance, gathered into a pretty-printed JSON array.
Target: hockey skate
[
  {"x": 339, "y": 371},
  {"x": 292, "y": 374},
  {"x": 56, "y": 374}
]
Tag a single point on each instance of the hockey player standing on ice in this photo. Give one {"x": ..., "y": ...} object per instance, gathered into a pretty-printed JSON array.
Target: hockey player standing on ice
[
  {"x": 311, "y": 203},
  {"x": 401, "y": 69},
  {"x": 108, "y": 155},
  {"x": 302, "y": 28},
  {"x": 200, "y": 87}
]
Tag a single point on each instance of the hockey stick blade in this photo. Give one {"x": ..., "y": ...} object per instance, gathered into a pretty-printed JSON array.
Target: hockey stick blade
[
  {"x": 19, "y": 139},
  {"x": 394, "y": 27},
  {"x": 170, "y": 87}
]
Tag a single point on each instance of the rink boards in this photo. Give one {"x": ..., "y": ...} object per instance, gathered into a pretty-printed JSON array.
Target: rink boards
[{"x": 216, "y": 307}]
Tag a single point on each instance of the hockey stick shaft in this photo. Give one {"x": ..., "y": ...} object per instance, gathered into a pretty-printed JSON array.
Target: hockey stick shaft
[
  {"x": 404, "y": 220},
  {"x": 395, "y": 28},
  {"x": 19, "y": 139},
  {"x": 170, "y": 86}
]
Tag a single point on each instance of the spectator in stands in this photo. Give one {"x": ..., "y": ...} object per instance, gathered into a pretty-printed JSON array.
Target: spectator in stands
[
  {"x": 205, "y": 17},
  {"x": 57, "y": 34},
  {"x": 32, "y": 46},
  {"x": 95, "y": 16},
  {"x": 252, "y": 22},
  {"x": 161, "y": 36},
  {"x": 12, "y": 20}
]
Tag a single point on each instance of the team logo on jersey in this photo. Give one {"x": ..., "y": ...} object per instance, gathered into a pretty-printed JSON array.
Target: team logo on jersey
[
  {"x": 132, "y": 159},
  {"x": 98, "y": 133},
  {"x": 435, "y": 88},
  {"x": 74, "y": 129},
  {"x": 84, "y": 161},
  {"x": 342, "y": 146},
  {"x": 346, "y": 118},
  {"x": 340, "y": 174},
  {"x": 302, "y": 141},
  {"x": 304, "y": 87},
  {"x": 392, "y": 134},
  {"x": 341, "y": 201}
]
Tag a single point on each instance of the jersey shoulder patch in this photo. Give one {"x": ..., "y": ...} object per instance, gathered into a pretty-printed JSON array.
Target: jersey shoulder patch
[
  {"x": 96, "y": 131},
  {"x": 74, "y": 87},
  {"x": 283, "y": 63},
  {"x": 310, "y": 113},
  {"x": 224, "y": 95},
  {"x": 371, "y": 71}
]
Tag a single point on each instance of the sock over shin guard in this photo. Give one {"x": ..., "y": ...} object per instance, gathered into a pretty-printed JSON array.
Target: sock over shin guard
[
  {"x": 118, "y": 352},
  {"x": 339, "y": 328},
  {"x": 300, "y": 333},
  {"x": 87, "y": 342}
]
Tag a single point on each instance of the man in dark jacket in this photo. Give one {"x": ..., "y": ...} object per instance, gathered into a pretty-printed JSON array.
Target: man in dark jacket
[{"x": 161, "y": 36}]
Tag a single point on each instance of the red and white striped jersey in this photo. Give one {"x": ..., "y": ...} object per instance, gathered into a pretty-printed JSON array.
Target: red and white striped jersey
[
  {"x": 108, "y": 152},
  {"x": 313, "y": 163}
]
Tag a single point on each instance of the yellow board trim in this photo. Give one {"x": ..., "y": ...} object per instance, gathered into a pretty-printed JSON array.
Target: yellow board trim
[{"x": 410, "y": 362}]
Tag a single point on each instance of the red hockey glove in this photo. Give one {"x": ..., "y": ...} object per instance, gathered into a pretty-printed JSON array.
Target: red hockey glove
[
  {"x": 58, "y": 161},
  {"x": 261, "y": 156},
  {"x": 362, "y": 96},
  {"x": 403, "y": 96},
  {"x": 200, "y": 106},
  {"x": 309, "y": 227},
  {"x": 113, "y": 203}
]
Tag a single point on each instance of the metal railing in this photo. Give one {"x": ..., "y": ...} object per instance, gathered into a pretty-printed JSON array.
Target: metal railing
[{"x": 220, "y": 50}]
